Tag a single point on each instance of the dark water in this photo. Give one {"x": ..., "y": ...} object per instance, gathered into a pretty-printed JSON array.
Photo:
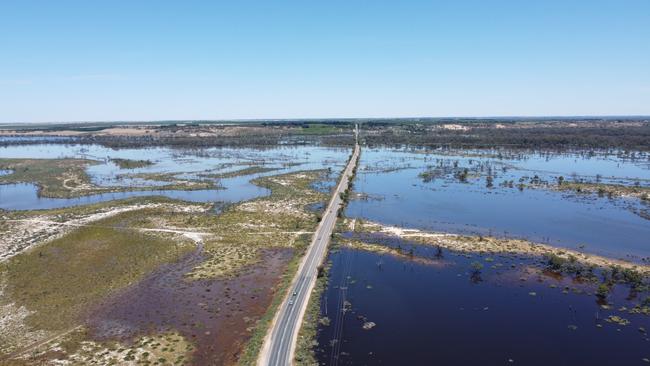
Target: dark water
[
  {"x": 442, "y": 314},
  {"x": 599, "y": 224},
  {"x": 432, "y": 308}
]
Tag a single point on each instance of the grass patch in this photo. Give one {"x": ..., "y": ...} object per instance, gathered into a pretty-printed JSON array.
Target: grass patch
[
  {"x": 243, "y": 229},
  {"x": 319, "y": 129},
  {"x": 245, "y": 171},
  {"x": 174, "y": 182},
  {"x": 609, "y": 190},
  {"x": 131, "y": 164},
  {"x": 61, "y": 279},
  {"x": 54, "y": 177},
  {"x": 67, "y": 178},
  {"x": 252, "y": 348}
]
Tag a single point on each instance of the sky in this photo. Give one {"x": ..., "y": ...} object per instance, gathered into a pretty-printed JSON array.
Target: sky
[{"x": 165, "y": 60}]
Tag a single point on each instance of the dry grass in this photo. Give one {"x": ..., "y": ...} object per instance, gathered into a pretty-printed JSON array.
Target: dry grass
[
  {"x": 479, "y": 244},
  {"x": 47, "y": 288}
]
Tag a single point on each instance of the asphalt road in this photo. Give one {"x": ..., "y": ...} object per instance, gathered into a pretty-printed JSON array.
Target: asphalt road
[{"x": 280, "y": 344}]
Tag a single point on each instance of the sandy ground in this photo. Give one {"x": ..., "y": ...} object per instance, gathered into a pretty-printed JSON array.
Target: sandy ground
[
  {"x": 156, "y": 131},
  {"x": 13, "y": 326},
  {"x": 382, "y": 249},
  {"x": 290, "y": 207},
  {"x": 454, "y": 127},
  {"x": 253, "y": 289},
  {"x": 17, "y": 235},
  {"x": 496, "y": 245}
]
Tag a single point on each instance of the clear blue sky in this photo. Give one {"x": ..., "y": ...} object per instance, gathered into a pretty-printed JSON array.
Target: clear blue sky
[{"x": 150, "y": 60}]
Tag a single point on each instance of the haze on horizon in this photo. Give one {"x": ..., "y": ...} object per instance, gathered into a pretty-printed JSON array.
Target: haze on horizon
[{"x": 164, "y": 60}]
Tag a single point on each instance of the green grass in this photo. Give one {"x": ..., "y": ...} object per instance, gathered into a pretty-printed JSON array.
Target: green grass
[
  {"x": 174, "y": 182},
  {"x": 603, "y": 189},
  {"x": 319, "y": 129},
  {"x": 243, "y": 229},
  {"x": 299, "y": 189},
  {"x": 131, "y": 164},
  {"x": 52, "y": 176},
  {"x": 67, "y": 178},
  {"x": 245, "y": 171},
  {"x": 252, "y": 348},
  {"x": 59, "y": 280}
]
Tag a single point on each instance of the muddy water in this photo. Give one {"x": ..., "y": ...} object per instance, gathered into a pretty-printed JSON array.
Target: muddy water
[
  {"x": 445, "y": 314},
  {"x": 213, "y": 315}
]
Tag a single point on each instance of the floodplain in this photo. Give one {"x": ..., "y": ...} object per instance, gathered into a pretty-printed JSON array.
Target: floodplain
[
  {"x": 488, "y": 256},
  {"x": 152, "y": 255},
  {"x": 461, "y": 242}
]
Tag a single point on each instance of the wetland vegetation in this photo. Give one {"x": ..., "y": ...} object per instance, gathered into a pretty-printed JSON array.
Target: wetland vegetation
[
  {"x": 453, "y": 229},
  {"x": 539, "y": 251},
  {"x": 91, "y": 276},
  {"x": 154, "y": 280}
]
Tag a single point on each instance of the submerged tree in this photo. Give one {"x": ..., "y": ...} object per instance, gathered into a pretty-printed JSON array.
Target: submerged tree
[{"x": 475, "y": 276}]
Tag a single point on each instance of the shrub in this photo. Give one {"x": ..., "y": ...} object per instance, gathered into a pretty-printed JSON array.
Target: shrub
[
  {"x": 476, "y": 266},
  {"x": 602, "y": 291},
  {"x": 556, "y": 262},
  {"x": 632, "y": 276}
]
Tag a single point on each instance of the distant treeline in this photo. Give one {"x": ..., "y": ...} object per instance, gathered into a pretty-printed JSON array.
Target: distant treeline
[
  {"x": 627, "y": 133},
  {"x": 602, "y": 136},
  {"x": 219, "y": 141}
]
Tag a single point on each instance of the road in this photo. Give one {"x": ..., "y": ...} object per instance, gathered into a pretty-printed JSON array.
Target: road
[{"x": 280, "y": 343}]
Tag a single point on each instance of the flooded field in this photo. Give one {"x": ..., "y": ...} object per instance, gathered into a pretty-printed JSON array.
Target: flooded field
[
  {"x": 440, "y": 311},
  {"x": 151, "y": 256},
  {"x": 485, "y": 194},
  {"x": 225, "y": 172},
  {"x": 444, "y": 256},
  {"x": 394, "y": 300}
]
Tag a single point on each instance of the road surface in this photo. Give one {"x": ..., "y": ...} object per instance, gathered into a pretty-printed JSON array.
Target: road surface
[{"x": 280, "y": 343}]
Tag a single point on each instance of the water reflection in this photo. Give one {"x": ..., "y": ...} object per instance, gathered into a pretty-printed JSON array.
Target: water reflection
[
  {"x": 595, "y": 224},
  {"x": 187, "y": 164}
]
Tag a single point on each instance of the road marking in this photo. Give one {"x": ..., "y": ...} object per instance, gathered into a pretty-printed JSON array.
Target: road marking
[{"x": 280, "y": 342}]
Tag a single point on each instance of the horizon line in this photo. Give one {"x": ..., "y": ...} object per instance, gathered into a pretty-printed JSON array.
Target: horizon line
[{"x": 298, "y": 119}]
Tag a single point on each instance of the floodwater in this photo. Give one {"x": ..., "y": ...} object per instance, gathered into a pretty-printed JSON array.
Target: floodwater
[
  {"x": 398, "y": 195},
  {"x": 183, "y": 163},
  {"x": 217, "y": 315},
  {"x": 431, "y": 307},
  {"x": 445, "y": 314}
]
